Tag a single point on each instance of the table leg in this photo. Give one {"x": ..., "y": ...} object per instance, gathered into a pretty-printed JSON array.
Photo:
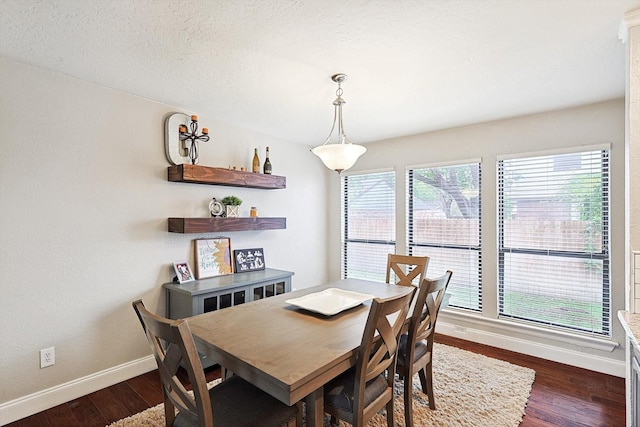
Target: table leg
[
  {"x": 225, "y": 374},
  {"x": 315, "y": 408}
]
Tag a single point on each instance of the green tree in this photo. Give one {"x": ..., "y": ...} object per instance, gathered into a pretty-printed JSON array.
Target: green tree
[
  {"x": 457, "y": 188},
  {"x": 584, "y": 192}
]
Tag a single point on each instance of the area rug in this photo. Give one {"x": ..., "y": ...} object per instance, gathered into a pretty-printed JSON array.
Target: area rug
[{"x": 470, "y": 390}]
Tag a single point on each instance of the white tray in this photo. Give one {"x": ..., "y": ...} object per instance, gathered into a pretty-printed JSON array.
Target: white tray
[{"x": 330, "y": 301}]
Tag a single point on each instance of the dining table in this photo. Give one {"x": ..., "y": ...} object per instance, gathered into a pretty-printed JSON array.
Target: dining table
[{"x": 288, "y": 351}]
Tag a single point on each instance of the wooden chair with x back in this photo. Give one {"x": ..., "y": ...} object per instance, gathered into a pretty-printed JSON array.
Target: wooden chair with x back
[
  {"x": 232, "y": 403},
  {"x": 406, "y": 269},
  {"x": 359, "y": 393},
  {"x": 416, "y": 346}
]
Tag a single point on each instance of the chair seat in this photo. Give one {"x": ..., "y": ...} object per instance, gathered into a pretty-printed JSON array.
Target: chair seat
[
  {"x": 421, "y": 350},
  {"x": 339, "y": 391},
  {"x": 236, "y": 403}
]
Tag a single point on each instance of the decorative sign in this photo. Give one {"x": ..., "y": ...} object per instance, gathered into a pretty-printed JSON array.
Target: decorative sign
[
  {"x": 248, "y": 260},
  {"x": 213, "y": 257}
]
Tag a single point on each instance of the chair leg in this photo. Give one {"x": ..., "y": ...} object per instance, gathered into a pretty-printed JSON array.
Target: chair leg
[
  {"x": 299, "y": 417},
  {"x": 408, "y": 401},
  {"x": 426, "y": 380},
  {"x": 390, "y": 413}
]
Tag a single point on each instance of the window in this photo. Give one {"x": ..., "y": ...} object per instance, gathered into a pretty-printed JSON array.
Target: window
[
  {"x": 368, "y": 224},
  {"x": 554, "y": 241},
  {"x": 443, "y": 223}
]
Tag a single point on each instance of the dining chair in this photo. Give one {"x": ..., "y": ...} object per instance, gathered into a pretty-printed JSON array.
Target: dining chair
[
  {"x": 406, "y": 268},
  {"x": 232, "y": 403},
  {"x": 358, "y": 394},
  {"x": 416, "y": 346}
]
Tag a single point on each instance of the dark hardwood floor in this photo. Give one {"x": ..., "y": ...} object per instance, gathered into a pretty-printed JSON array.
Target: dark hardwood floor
[{"x": 561, "y": 396}]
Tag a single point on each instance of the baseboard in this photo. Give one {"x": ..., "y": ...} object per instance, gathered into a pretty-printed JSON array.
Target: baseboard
[
  {"x": 547, "y": 352},
  {"x": 45, "y": 399}
]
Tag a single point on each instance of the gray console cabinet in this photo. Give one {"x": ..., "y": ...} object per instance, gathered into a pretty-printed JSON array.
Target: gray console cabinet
[{"x": 216, "y": 293}]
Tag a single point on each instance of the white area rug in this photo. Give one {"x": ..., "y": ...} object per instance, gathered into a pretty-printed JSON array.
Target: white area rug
[{"x": 470, "y": 390}]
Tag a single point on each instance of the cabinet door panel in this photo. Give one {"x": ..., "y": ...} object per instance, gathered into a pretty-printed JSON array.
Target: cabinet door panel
[
  {"x": 239, "y": 297},
  {"x": 635, "y": 389},
  {"x": 258, "y": 293},
  {"x": 270, "y": 290},
  {"x": 210, "y": 304},
  {"x": 225, "y": 301}
]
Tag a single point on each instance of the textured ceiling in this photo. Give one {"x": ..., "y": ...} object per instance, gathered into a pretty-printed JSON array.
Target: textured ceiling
[{"x": 413, "y": 65}]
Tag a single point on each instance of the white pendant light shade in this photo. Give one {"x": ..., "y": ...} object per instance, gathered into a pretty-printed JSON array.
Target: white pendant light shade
[{"x": 340, "y": 155}]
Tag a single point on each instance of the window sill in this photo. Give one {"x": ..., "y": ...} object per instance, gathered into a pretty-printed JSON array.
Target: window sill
[{"x": 523, "y": 330}]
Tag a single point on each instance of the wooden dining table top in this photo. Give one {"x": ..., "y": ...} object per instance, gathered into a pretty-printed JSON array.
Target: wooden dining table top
[{"x": 286, "y": 351}]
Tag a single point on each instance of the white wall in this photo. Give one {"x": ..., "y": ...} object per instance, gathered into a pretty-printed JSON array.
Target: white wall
[
  {"x": 84, "y": 202},
  {"x": 588, "y": 125}
]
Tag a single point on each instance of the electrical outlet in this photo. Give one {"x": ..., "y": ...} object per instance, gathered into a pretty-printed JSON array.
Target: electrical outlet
[{"x": 47, "y": 357}]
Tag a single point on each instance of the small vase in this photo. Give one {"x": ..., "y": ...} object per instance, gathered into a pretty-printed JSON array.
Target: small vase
[{"x": 232, "y": 211}]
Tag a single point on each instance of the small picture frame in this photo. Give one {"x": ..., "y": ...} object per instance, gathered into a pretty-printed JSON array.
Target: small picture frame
[
  {"x": 183, "y": 272},
  {"x": 213, "y": 257},
  {"x": 248, "y": 260}
]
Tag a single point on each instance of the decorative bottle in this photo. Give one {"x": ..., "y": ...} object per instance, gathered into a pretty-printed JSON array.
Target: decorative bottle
[
  {"x": 267, "y": 164},
  {"x": 256, "y": 162}
]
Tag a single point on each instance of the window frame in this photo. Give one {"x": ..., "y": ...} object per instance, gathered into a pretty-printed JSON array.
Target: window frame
[
  {"x": 344, "y": 226},
  {"x": 412, "y": 244},
  {"x": 604, "y": 255}
]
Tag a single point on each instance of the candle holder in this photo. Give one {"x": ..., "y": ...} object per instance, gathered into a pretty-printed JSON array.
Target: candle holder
[{"x": 191, "y": 137}]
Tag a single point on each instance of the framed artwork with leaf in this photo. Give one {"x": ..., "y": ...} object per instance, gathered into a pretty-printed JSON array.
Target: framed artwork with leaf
[{"x": 213, "y": 257}]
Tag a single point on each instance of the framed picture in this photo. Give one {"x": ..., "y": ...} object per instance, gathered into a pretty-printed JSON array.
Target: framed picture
[
  {"x": 213, "y": 257},
  {"x": 183, "y": 272},
  {"x": 248, "y": 259}
]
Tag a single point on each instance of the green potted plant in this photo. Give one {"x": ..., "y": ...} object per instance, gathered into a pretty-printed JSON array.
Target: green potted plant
[{"x": 231, "y": 203}]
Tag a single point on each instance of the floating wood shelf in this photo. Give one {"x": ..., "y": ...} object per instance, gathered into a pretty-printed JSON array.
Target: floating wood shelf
[
  {"x": 220, "y": 176},
  {"x": 214, "y": 225}
]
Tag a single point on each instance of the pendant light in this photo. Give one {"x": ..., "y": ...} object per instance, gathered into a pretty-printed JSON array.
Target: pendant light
[{"x": 338, "y": 154}]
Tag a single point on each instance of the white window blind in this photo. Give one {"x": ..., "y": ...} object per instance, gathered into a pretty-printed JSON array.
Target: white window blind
[
  {"x": 443, "y": 223},
  {"x": 368, "y": 224},
  {"x": 554, "y": 241}
]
